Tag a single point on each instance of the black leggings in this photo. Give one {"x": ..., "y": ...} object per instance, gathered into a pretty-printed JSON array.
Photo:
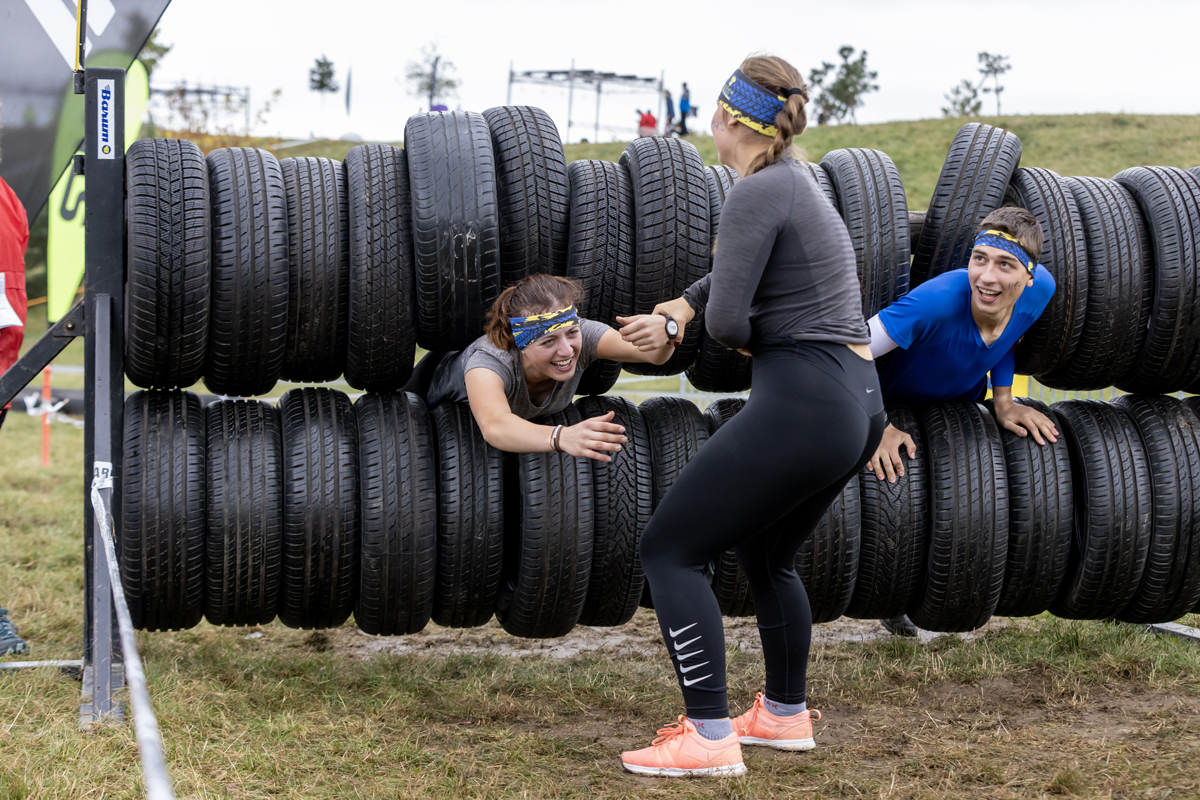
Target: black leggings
[{"x": 759, "y": 486}]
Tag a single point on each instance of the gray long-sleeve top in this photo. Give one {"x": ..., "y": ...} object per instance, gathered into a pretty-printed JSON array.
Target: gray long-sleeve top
[{"x": 784, "y": 268}]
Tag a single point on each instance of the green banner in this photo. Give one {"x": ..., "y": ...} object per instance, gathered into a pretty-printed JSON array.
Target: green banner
[{"x": 64, "y": 245}]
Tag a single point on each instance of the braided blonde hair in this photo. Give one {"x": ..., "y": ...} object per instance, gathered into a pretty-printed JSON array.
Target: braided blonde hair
[{"x": 776, "y": 75}]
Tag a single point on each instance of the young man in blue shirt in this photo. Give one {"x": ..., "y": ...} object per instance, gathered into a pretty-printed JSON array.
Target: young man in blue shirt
[{"x": 955, "y": 329}]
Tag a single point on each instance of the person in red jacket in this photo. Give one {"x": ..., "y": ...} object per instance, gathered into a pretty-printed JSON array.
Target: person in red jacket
[{"x": 14, "y": 235}]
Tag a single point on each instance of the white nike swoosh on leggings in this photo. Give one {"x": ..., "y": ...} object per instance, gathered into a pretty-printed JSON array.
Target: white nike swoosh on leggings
[
  {"x": 687, "y": 669},
  {"x": 681, "y": 630},
  {"x": 682, "y": 656},
  {"x": 679, "y": 646},
  {"x": 686, "y": 682}
]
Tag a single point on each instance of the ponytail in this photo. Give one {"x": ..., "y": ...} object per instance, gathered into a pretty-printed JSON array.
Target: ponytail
[{"x": 777, "y": 75}]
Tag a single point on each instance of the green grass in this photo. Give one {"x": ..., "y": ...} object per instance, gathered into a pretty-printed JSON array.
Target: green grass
[{"x": 1038, "y": 708}]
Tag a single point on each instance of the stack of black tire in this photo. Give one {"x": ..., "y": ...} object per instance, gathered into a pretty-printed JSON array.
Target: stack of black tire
[{"x": 244, "y": 269}]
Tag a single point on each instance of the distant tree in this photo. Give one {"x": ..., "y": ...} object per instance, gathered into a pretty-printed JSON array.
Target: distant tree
[
  {"x": 964, "y": 101},
  {"x": 320, "y": 77},
  {"x": 993, "y": 66},
  {"x": 840, "y": 92},
  {"x": 153, "y": 52},
  {"x": 432, "y": 76}
]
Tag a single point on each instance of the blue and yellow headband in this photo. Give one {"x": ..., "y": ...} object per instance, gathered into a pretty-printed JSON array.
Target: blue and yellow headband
[
  {"x": 527, "y": 330},
  {"x": 751, "y": 104},
  {"x": 1007, "y": 243}
]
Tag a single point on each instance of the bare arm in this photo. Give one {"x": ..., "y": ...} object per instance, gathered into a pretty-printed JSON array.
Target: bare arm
[
  {"x": 504, "y": 430},
  {"x": 642, "y": 339}
]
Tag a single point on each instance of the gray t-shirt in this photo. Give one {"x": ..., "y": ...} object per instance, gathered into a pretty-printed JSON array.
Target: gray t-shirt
[
  {"x": 450, "y": 378},
  {"x": 784, "y": 268}
]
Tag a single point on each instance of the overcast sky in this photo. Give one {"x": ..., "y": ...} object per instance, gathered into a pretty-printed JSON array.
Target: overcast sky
[{"x": 1067, "y": 56}]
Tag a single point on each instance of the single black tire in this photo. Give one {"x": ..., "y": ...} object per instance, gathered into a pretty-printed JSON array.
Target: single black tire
[
  {"x": 677, "y": 430},
  {"x": 549, "y": 526},
  {"x": 1120, "y": 285},
  {"x": 160, "y": 543},
  {"x": 318, "y": 263},
  {"x": 455, "y": 225},
  {"x": 245, "y": 512},
  {"x": 397, "y": 491},
  {"x": 622, "y": 496},
  {"x": 382, "y": 306},
  {"x": 972, "y": 184},
  {"x": 717, "y": 368},
  {"x": 1041, "y": 522},
  {"x": 824, "y": 183},
  {"x": 1169, "y": 199},
  {"x": 533, "y": 192},
  {"x": 1048, "y": 346},
  {"x": 968, "y": 505},
  {"x": 247, "y": 335},
  {"x": 671, "y": 219},
  {"x": 1170, "y": 432},
  {"x": 1194, "y": 402},
  {"x": 600, "y": 253},
  {"x": 470, "y": 519},
  {"x": 827, "y": 562},
  {"x": 1113, "y": 510},
  {"x": 893, "y": 532},
  {"x": 729, "y": 583},
  {"x": 168, "y": 263},
  {"x": 320, "y": 508},
  {"x": 871, "y": 201}
]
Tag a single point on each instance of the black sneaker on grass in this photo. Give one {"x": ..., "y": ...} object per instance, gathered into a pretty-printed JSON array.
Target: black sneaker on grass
[
  {"x": 900, "y": 626},
  {"x": 10, "y": 643}
]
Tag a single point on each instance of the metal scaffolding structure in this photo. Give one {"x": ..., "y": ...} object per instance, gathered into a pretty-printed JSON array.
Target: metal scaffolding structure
[{"x": 600, "y": 82}]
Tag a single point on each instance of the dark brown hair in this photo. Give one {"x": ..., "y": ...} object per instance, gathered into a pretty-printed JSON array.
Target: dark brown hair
[
  {"x": 1016, "y": 221},
  {"x": 534, "y": 294},
  {"x": 776, "y": 75}
]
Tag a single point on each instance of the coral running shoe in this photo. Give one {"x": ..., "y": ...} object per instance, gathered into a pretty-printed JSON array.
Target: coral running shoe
[
  {"x": 680, "y": 751},
  {"x": 758, "y": 726}
]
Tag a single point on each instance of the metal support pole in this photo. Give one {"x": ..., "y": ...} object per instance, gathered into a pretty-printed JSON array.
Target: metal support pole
[
  {"x": 596, "y": 135},
  {"x": 570, "y": 99},
  {"x": 104, "y": 398},
  {"x": 662, "y": 77}
]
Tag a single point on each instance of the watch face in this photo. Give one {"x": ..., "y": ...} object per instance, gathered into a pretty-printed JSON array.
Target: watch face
[{"x": 672, "y": 328}]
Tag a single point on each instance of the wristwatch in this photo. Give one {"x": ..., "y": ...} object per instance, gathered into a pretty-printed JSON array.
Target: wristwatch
[{"x": 672, "y": 326}]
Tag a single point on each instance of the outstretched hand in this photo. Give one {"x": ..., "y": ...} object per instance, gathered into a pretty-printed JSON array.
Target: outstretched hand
[
  {"x": 646, "y": 332},
  {"x": 593, "y": 438},
  {"x": 1023, "y": 421},
  {"x": 886, "y": 461}
]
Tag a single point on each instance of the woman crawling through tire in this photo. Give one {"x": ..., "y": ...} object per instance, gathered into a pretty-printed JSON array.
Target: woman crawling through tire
[{"x": 529, "y": 363}]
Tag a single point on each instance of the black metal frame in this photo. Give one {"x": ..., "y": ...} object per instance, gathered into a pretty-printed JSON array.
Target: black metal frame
[{"x": 100, "y": 319}]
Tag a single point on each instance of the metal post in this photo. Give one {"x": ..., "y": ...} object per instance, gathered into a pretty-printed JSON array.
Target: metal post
[
  {"x": 104, "y": 293},
  {"x": 508, "y": 102},
  {"x": 570, "y": 99},
  {"x": 596, "y": 135},
  {"x": 662, "y": 76}
]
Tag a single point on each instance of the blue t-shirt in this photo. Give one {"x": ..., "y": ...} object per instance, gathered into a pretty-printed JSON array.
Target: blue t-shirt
[{"x": 944, "y": 357}]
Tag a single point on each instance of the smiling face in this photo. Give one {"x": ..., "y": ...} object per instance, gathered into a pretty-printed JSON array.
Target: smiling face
[
  {"x": 554, "y": 356},
  {"x": 997, "y": 280}
]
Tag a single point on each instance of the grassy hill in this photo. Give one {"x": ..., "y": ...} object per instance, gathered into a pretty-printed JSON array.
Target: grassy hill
[{"x": 1086, "y": 144}]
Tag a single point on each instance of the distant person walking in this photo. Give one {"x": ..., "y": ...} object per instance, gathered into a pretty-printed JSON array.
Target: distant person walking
[
  {"x": 685, "y": 107},
  {"x": 669, "y": 122},
  {"x": 647, "y": 124}
]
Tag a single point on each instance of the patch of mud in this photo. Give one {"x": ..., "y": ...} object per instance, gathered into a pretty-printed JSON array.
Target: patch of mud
[{"x": 639, "y": 636}]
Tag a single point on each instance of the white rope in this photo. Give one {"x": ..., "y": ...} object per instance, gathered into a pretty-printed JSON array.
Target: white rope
[{"x": 145, "y": 725}]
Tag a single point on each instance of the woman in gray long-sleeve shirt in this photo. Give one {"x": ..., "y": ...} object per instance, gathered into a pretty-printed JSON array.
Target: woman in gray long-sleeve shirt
[{"x": 784, "y": 289}]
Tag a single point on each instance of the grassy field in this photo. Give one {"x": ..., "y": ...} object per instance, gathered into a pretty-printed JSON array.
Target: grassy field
[{"x": 1038, "y": 708}]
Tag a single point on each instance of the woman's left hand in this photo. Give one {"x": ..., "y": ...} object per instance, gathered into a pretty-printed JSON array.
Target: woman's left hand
[{"x": 646, "y": 332}]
